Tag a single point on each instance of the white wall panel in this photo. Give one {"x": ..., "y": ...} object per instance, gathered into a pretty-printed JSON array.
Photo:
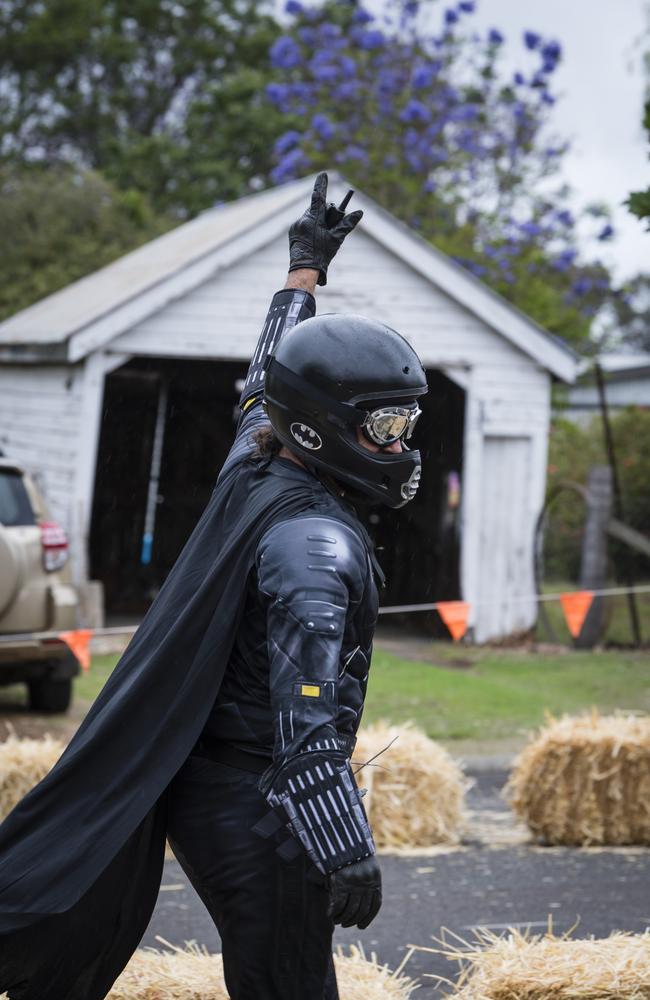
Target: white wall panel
[
  {"x": 506, "y": 533},
  {"x": 39, "y": 412}
]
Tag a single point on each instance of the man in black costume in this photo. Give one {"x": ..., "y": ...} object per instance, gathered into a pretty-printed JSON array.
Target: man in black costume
[{"x": 230, "y": 721}]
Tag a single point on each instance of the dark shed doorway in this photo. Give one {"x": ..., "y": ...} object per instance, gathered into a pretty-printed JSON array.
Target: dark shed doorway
[
  {"x": 419, "y": 545},
  {"x": 199, "y": 422}
]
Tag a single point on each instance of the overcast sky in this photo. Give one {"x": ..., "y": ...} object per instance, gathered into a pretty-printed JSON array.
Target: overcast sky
[{"x": 601, "y": 86}]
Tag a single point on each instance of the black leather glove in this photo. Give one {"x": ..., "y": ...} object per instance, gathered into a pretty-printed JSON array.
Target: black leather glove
[
  {"x": 355, "y": 893},
  {"x": 311, "y": 242}
]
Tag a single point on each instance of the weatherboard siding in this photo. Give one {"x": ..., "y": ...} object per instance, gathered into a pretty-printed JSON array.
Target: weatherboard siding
[
  {"x": 39, "y": 414},
  {"x": 505, "y": 568},
  {"x": 223, "y": 316}
]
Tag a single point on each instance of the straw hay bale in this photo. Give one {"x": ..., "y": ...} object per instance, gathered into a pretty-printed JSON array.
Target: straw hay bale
[
  {"x": 415, "y": 789},
  {"x": 585, "y": 781},
  {"x": 182, "y": 974},
  {"x": 518, "y": 967},
  {"x": 193, "y": 974},
  {"x": 360, "y": 979},
  {"x": 23, "y": 763}
]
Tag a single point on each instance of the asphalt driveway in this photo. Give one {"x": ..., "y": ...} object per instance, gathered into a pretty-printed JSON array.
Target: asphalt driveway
[{"x": 496, "y": 879}]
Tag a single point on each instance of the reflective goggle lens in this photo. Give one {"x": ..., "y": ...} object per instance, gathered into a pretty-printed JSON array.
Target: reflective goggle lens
[{"x": 390, "y": 424}]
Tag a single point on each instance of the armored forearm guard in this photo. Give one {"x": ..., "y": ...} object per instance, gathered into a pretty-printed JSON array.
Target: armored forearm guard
[
  {"x": 313, "y": 572},
  {"x": 287, "y": 308},
  {"x": 323, "y": 809}
]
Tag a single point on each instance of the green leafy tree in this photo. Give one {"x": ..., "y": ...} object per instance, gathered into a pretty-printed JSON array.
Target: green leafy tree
[
  {"x": 629, "y": 316},
  {"x": 64, "y": 223},
  {"x": 160, "y": 96}
]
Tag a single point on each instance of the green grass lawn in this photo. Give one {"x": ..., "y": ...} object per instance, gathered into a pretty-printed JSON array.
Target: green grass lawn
[
  {"x": 88, "y": 685},
  {"x": 479, "y": 694},
  {"x": 490, "y": 698},
  {"x": 502, "y": 693}
]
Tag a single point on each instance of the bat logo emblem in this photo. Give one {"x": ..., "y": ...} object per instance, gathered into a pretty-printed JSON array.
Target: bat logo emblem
[{"x": 306, "y": 437}]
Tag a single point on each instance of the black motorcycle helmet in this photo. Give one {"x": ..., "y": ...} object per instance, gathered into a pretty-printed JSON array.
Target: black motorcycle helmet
[{"x": 335, "y": 373}]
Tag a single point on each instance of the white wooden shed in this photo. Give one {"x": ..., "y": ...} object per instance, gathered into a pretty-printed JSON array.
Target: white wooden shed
[{"x": 79, "y": 385}]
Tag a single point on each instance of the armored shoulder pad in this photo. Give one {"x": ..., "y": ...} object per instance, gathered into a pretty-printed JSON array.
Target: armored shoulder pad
[{"x": 314, "y": 565}]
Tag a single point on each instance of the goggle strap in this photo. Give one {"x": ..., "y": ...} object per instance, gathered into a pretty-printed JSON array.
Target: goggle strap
[{"x": 345, "y": 412}]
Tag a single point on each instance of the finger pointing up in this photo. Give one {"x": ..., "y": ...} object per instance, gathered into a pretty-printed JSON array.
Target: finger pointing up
[{"x": 319, "y": 196}]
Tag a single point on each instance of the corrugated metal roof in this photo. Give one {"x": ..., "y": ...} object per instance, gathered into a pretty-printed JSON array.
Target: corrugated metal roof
[
  {"x": 623, "y": 363},
  {"x": 58, "y": 316},
  {"x": 139, "y": 281}
]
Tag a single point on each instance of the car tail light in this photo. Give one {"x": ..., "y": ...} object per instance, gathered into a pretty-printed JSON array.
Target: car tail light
[{"x": 55, "y": 546}]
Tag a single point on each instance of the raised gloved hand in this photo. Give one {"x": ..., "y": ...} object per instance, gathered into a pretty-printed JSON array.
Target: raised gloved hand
[
  {"x": 355, "y": 893},
  {"x": 311, "y": 242}
]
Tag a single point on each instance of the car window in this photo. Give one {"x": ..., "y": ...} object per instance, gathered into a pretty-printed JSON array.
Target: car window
[{"x": 15, "y": 507}]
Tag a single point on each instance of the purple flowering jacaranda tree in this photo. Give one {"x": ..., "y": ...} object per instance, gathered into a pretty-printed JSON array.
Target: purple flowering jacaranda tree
[{"x": 412, "y": 105}]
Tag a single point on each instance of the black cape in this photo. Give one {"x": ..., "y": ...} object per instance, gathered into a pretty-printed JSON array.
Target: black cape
[{"x": 81, "y": 856}]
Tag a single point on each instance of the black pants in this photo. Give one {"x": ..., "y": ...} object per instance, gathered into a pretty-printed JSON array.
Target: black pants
[{"x": 270, "y": 914}]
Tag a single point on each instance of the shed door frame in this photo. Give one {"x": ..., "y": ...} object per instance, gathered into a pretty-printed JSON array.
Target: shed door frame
[
  {"x": 96, "y": 367},
  {"x": 479, "y": 428}
]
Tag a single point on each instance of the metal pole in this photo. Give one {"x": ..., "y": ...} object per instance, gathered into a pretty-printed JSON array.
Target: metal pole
[
  {"x": 593, "y": 569},
  {"x": 154, "y": 476},
  {"x": 618, "y": 497}
]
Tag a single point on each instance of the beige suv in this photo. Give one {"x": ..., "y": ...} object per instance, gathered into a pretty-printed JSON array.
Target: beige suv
[{"x": 35, "y": 594}]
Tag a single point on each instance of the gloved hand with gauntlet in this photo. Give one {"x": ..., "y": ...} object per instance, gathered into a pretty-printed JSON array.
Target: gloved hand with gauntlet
[{"x": 313, "y": 240}]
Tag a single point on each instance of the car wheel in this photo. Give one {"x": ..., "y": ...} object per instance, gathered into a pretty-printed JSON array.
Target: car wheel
[{"x": 50, "y": 694}]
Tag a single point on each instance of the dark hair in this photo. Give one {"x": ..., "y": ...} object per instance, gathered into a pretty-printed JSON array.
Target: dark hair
[{"x": 267, "y": 445}]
